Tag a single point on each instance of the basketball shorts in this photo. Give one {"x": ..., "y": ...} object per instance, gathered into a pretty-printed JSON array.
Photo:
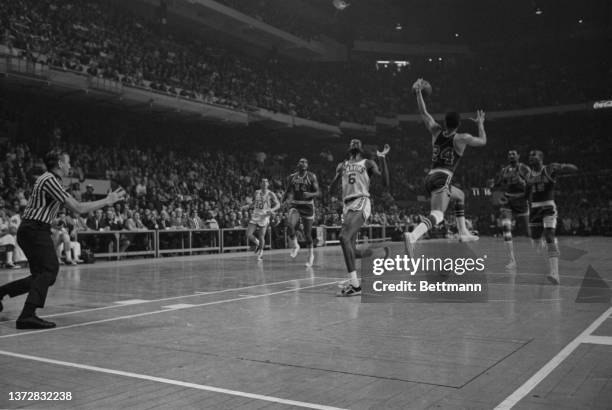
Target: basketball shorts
[
  {"x": 260, "y": 220},
  {"x": 543, "y": 216},
  {"x": 360, "y": 204},
  {"x": 517, "y": 206},
  {"x": 306, "y": 211},
  {"x": 437, "y": 181}
]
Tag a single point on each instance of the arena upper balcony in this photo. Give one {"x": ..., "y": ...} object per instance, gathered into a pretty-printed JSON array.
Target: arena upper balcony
[
  {"x": 232, "y": 26},
  {"x": 16, "y": 71}
]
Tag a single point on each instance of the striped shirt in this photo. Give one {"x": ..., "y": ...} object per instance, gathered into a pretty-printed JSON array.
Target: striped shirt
[{"x": 48, "y": 195}]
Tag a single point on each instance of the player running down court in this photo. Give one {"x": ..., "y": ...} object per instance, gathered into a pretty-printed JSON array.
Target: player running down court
[
  {"x": 355, "y": 174},
  {"x": 448, "y": 147},
  {"x": 302, "y": 189},
  {"x": 512, "y": 184},
  {"x": 265, "y": 203},
  {"x": 543, "y": 216}
]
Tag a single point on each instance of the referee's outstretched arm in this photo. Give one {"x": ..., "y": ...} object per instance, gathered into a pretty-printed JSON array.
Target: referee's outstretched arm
[
  {"x": 34, "y": 237},
  {"x": 86, "y": 207}
]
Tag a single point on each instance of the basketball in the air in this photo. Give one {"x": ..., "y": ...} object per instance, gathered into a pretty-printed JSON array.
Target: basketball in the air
[{"x": 423, "y": 85}]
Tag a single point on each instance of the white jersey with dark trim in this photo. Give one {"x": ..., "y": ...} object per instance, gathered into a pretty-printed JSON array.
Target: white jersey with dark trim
[
  {"x": 262, "y": 204},
  {"x": 355, "y": 180}
]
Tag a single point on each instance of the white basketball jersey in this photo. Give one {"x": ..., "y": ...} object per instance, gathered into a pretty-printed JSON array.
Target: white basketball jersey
[
  {"x": 262, "y": 203},
  {"x": 355, "y": 180}
]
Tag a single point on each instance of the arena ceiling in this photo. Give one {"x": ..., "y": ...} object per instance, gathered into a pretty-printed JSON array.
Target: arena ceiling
[{"x": 473, "y": 21}]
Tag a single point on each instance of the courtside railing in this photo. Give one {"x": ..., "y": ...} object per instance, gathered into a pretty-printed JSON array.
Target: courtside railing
[{"x": 112, "y": 244}]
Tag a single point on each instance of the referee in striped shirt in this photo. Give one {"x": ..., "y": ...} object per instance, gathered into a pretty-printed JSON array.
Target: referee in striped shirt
[{"x": 34, "y": 237}]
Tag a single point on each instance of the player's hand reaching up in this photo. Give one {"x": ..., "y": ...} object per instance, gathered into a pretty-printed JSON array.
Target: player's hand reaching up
[
  {"x": 418, "y": 85},
  {"x": 384, "y": 152},
  {"x": 480, "y": 117},
  {"x": 116, "y": 196}
]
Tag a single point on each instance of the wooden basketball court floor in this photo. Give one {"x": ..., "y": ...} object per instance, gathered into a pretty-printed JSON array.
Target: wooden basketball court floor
[{"x": 226, "y": 332}]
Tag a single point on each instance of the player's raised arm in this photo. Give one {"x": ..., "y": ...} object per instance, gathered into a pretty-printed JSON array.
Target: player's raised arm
[
  {"x": 469, "y": 139},
  {"x": 430, "y": 123},
  {"x": 317, "y": 191},
  {"x": 332, "y": 185},
  {"x": 557, "y": 168},
  {"x": 373, "y": 167}
]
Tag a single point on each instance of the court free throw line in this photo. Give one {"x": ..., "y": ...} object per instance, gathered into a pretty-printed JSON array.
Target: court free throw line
[{"x": 171, "y": 381}]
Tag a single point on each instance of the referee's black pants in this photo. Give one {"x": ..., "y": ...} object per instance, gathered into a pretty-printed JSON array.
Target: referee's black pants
[{"x": 34, "y": 238}]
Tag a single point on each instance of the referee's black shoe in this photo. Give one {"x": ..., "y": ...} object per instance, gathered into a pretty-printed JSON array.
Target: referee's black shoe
[{"x": 33, "y": 322}]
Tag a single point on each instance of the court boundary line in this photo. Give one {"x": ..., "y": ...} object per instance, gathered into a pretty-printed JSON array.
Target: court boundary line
[
  {"x": 171, "y": 382},
  {"x": 552, "y": 364},
  {"x": 142, "y": 314},
  {"x": 146, "y": 261},
  {"x": 196, "y": 294},
  {"x": 598, "y": 340}
]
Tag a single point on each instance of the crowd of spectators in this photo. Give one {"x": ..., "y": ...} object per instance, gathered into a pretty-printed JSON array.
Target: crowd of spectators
[
  {"x": 178, "y": 178},
  {"x": 104, "y": 40},
  {"x": 286, "y": 16},
  {"x": 187, "y": 176}
]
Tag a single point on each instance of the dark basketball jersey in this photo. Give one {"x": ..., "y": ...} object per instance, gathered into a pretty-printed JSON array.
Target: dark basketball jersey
[
  {"x": 298, "y": 184},
  {"x": 513, "y": 179},
  {"x": 542, "y": 185},
  {"x": 444, "y": 154}
]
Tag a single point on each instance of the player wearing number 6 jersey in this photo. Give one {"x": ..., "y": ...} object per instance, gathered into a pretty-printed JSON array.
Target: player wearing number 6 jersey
[
  {"x": 265, "y": 203},
  {"x": 448, "y": 147},
  {"x": 355, "y": 174}
]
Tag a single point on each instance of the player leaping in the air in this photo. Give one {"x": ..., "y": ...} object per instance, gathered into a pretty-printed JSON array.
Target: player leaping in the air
[
  {"x": 265, "y": 203},
  {"x": 543, "y": 217},
  {"x": 512, "y": 181},
  {"x": 448, "y": 147},
  {"x": 302, "y": 189},
  {"x": 355, "y": 174}
]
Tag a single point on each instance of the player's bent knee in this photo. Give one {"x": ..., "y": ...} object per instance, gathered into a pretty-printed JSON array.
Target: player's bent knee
[{"x": 438, "y": 216}]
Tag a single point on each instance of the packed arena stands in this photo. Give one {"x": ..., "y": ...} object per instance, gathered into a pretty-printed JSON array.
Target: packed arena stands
[
  {"x": 183, "y": 174},
  {"x": 103, "y": 40},
  {"x": 190, "y": 177}
]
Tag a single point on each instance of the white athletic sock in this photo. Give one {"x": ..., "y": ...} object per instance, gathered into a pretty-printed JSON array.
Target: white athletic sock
[
  {"x": 419, "y": 231},
  {"x": 553, "y": 262},
  {"x": 461, "y": 228},
  {"x": 9, "y": 257},
  {"x": 353, "y": 279},
  {"x": 510, "y": 247}
]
